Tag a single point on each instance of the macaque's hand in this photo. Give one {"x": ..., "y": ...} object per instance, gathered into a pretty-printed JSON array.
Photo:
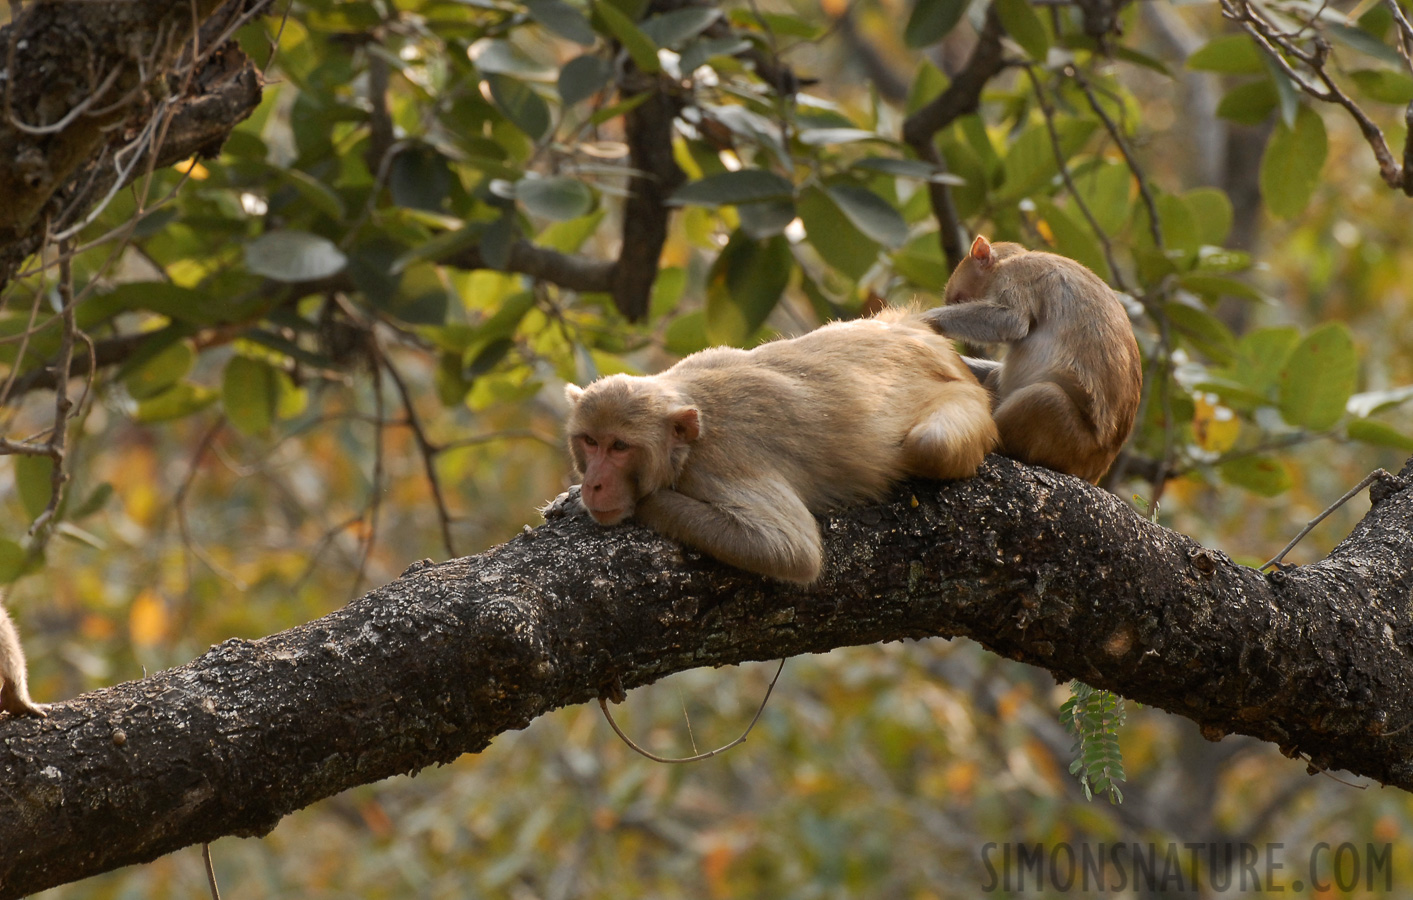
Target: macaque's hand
[{"x": 566, "y": 504}]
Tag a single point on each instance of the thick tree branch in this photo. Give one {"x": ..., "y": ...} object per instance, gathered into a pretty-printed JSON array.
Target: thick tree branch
[
  {"x": 85, "y": 83},
  {"x": 1036, "y": 566},
  {"x": 645, "y": 211}
]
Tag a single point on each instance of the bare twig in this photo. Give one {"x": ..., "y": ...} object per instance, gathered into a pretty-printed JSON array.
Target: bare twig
[
  {"x": 1369, "y": 479},
  {"x": 1278, "y": 45}
]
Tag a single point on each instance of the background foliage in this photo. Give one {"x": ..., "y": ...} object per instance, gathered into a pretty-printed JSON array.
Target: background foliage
[{"x": 338, "y": 347}]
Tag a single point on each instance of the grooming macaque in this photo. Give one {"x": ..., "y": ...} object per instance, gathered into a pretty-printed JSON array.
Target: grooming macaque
[
  {"x": 734, "y": 452},
  {"x": 1068, "y": 388},
  {"x": 14, "y": 683}
]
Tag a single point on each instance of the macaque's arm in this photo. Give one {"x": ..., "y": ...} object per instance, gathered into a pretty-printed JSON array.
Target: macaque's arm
[
  {"x": 979, "y": 322},
  {"x": 983, "y": 369},
  {"x": 761, "y": 526}
]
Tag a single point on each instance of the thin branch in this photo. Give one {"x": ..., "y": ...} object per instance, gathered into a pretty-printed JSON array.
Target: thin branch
[
  {"x": 427, "y": 450},
  {"x": 962, "y": 96},
  {"x": 1278, "y": 44}
]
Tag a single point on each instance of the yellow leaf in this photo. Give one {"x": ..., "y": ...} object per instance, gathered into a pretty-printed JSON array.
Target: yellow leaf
[
  {"x": 961, "y": 776},
  {"x": 1214, "y": 427},
  {"x": 147, "y": 619}
]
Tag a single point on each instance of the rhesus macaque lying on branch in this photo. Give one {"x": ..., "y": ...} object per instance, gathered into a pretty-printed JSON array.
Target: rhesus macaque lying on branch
[
  {"x": 734, "y": 452},
  {"x": 1068, "y": 389}
]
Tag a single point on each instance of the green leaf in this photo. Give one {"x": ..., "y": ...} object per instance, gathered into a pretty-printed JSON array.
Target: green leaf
[
  {"x": 744, "y": 285},
  {"x": 1290, "y": 167},
  {"x": 639, "y": 46},
  {"x": 437, "y": 247},
  {"x": 502, "y": 324},
  {"x": 1379, "y": 434},
  {"x": 906, "y": 168},
  {"x": 420, "y": 297},
  {"x": 766, "y": 218},
  {"x": 179, "y": 401},
  {"x": 1030, "y": 162},
  {"x": 679, "y": 26},
  {"x": 319, "y": 195},
  {"x": 95, "y": 501},
  {"x": 1319, "y": 378},
  {"x": 1263, "y": 356},
  {"x": 292, "y": 256},
  {"x": 568, "y": 237},
  {"x": 420, "y": 178},
  {"x": 1214, "y": 287},
  {"x": 33, "y": 481},
  {"x": 1287, "y": 93},
  {"x": 1232, "y": 54},
  {"x": 730, "y": 188},
  {"x": 583, "y": 77},
  {"x": 1020, "y": 21},
  {"x": 932, "y": 20},
  {"x": 687, "y": 334},
  {"x": 1106, "y": 189},
  {"x": 920, "y": 261},
  {"x": 1261, "y": 475},
  {"x": 12, "y": 560},
  {"x": 161, "y": 371},
  {"x": 1211, "y": 212},
  {"x": 562, "y": 19},
  {"x": 618, "y": 109},
  {"x": 928, "y": 84},
  {"x": 830, "y": 232},
  {"x": 500, "y": 57},
  {"x": 1365, "y": 43},
  {"x": 870, "y": 214},
  {"x": 526, "y": 109},
  {"x": 819, "y": 137},
  {"x": 1384, "y": 86},
  {"x": 557, "y": 198},
  {"x": 668, "y": 286},
  {"x": 1180, "y": 230},
  {"x": 698, "y": 52},
  {"x": 1072, "y": 239},
  {"x": 1203, "y": 330},
  {"x": 249, "y": 392},
  {"x": 1250, "y": 103}
]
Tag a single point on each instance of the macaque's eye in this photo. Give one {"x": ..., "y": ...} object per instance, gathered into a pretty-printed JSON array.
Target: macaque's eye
[
  {"x": 620, "y": 445},
  {"x": 588, "y": 441}
]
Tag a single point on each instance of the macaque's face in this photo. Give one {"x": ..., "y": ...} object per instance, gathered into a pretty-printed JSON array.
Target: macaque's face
[
  {"x": 610, "y": 467},
  {"x": 628, "y": 437}
]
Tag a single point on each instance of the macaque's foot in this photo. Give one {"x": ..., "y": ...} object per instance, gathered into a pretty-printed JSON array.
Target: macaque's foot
[
  {"x": 566, "y": 504},
  {"x": 17, "y": 707}
]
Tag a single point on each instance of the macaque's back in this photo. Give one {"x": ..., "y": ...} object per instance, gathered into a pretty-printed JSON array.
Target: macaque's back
[{"x": 828, "y": 410}]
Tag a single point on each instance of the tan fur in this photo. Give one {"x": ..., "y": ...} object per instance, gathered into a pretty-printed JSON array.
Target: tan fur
[
  {"x": 14, "y": 686},
  {"x": 734, "y": 451},
  {"x": 1068, "y": 388}
]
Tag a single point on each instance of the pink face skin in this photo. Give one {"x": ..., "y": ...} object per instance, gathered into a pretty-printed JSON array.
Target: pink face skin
[{"x": 608, "y": 463}]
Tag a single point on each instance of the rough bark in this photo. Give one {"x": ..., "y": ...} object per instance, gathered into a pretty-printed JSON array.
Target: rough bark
[
  {"x": 83, "y": 80},
  {"x": 1036, "y": 566}
]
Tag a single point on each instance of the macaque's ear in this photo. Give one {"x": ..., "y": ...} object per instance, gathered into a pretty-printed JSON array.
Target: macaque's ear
[
  {"x": 572, "y": 393},
  {"x": 686, "y": 424},
  {"x": 981, "y": 250}
]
